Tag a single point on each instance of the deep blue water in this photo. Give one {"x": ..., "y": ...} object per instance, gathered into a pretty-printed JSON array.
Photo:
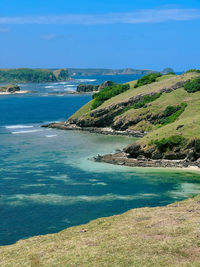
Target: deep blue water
[{"x": 48, "y": 181}]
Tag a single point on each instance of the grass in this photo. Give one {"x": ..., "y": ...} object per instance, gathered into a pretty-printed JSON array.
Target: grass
[
  {"x": 162, "y": 82},
  {"x": 162, "y": 236}
]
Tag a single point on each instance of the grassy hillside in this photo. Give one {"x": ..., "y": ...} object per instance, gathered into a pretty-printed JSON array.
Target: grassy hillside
[
  {"x": 32, "y": 75},
  {"x": 163, "y": 236}
]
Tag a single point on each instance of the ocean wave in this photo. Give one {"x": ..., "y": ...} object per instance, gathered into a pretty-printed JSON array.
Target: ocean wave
[
  {"x": 18, "y": 126},
  {"x": 49, "y": 86},
  {"x": 24, "y": 132},
  {"x": 70, "y": 85},
  {"x": 85, "y": 80},
  {"x": 52, "y": 135}
]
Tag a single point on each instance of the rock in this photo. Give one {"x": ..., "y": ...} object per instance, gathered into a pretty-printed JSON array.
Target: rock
[
  {"x": 87, "y": 88},
  {"x": 156, "y": 155},
  {"x": 11, "y": 88},
  {"x": 179, "y": 126},
  {"x": 93, "y": 88}
]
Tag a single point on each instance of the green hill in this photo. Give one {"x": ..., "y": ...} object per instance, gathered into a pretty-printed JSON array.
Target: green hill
[
  {"x": 164, "y": 109},
  {"x": 32, "y": 75}
]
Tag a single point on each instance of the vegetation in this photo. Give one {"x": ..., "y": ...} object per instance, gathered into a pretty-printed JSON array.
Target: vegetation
[
  {"x": 161, "y": 236},
  {"x": 169, "y": 143},
  {"x": 193, "y": 70},
  {"x": 145, "y": 100},
  {"x": 193, "y": 85},
  {"x": 172, "y": 113},
  {"x": 107, "y": 93},
  {"x": 32, "y": 75},
  {"x": 182, "y": 119},
  {"x": 147, "y": 79}
]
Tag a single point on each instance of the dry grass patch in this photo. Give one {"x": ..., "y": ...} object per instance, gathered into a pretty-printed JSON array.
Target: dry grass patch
[{"x": 161, "y": 236}]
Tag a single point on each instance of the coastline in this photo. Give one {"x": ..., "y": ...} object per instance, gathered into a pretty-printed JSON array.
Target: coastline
[
  {"x": 122, "y": 159},
  {"x": 98, "y": 130}
]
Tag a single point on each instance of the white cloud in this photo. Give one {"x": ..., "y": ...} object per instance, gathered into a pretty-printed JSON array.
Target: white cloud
[{"x": 139, "y": 16}]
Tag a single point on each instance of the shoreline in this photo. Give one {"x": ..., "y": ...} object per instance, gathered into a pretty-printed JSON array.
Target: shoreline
[
  {"x": 106, "y": 131},
  {"x": 122, "y": 159}
]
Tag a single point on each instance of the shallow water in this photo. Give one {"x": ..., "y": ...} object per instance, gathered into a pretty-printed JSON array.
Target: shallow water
[{"x": 49, "y": 182}]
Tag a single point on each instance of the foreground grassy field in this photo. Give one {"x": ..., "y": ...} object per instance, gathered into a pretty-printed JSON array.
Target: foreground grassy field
[{"x": 161, "y": 236}]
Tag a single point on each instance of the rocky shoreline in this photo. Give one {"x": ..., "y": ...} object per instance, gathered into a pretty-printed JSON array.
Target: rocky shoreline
[
  {"x": 132, "y": 156},
  {"x": 123, "y": 159},
  {"x": 106, "y": 131}
]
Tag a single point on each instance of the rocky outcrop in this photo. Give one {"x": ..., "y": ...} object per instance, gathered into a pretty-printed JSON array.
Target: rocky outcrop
[
  {"x": 121, "y": 158},
  {"x": 11, "y": 88},
  {"x": 98, "y": 130},
  {"x": 93, "y": 88},
  {"x": 136, "y": 155}
]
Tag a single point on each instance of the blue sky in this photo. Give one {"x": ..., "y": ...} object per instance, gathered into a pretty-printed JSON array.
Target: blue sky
[{"x": 100, "y": 34}]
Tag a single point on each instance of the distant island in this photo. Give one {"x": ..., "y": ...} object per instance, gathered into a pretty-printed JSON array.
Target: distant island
[
  {"x": 26, "y": 75},
  {"x": 11, "y": 89},
  {"x": 96, "y": 72}
]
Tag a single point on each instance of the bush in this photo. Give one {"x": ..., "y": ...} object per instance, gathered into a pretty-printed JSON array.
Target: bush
[
  {"x": 107, "y": 93},
  {"x": 145, "y": 100},
  {"x": 169, "y": 143},
  {"x": 147, "y": 79},
  {"x": 193, "y": 70},
  {"x": 170, "y": 110},
  {"x": 172, "y": 113},
  {"x": 192, "y": 86},
  {"x": 171, "y": 73}
]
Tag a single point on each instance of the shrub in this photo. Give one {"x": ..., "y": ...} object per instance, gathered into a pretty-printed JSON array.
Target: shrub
[
  {"x": 108, "y": 92},
  {"x": 172, "y": 113},
  {"x": 193, "y": 70},
  {"x": 169, "y": 143},
  {"x": 192, "y": 86},
  {"x": 145, "y": 100},
  {"x": 147, "y": 79},
  {"x": 171, "y": 73}
]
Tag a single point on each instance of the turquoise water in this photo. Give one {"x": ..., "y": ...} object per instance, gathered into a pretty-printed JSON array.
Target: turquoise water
[{"x": 48, "y": 180}]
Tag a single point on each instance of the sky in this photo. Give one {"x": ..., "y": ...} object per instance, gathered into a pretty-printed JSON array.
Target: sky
[{"x": 139, "y": 34}]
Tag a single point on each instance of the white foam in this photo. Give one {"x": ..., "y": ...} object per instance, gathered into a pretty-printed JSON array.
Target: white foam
[
  {"x": 55, "y": 199},
  {"x": 52, "y": 135},
  {"x": 18, "y": 126},
  {"x": 49, "y": 86},
  {"x": 24, "y": 132},
  {"x": 70, "y": 85},
  {"x": 85, "y": 80}
]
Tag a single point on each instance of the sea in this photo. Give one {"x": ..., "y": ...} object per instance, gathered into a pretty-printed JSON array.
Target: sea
[{"x": 48, "y": 179}]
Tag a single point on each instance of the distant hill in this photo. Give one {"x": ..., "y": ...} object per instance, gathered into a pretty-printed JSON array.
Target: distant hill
[
  {"x": 26, "y": 75},
  {"x": 94, "y": 72}
]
